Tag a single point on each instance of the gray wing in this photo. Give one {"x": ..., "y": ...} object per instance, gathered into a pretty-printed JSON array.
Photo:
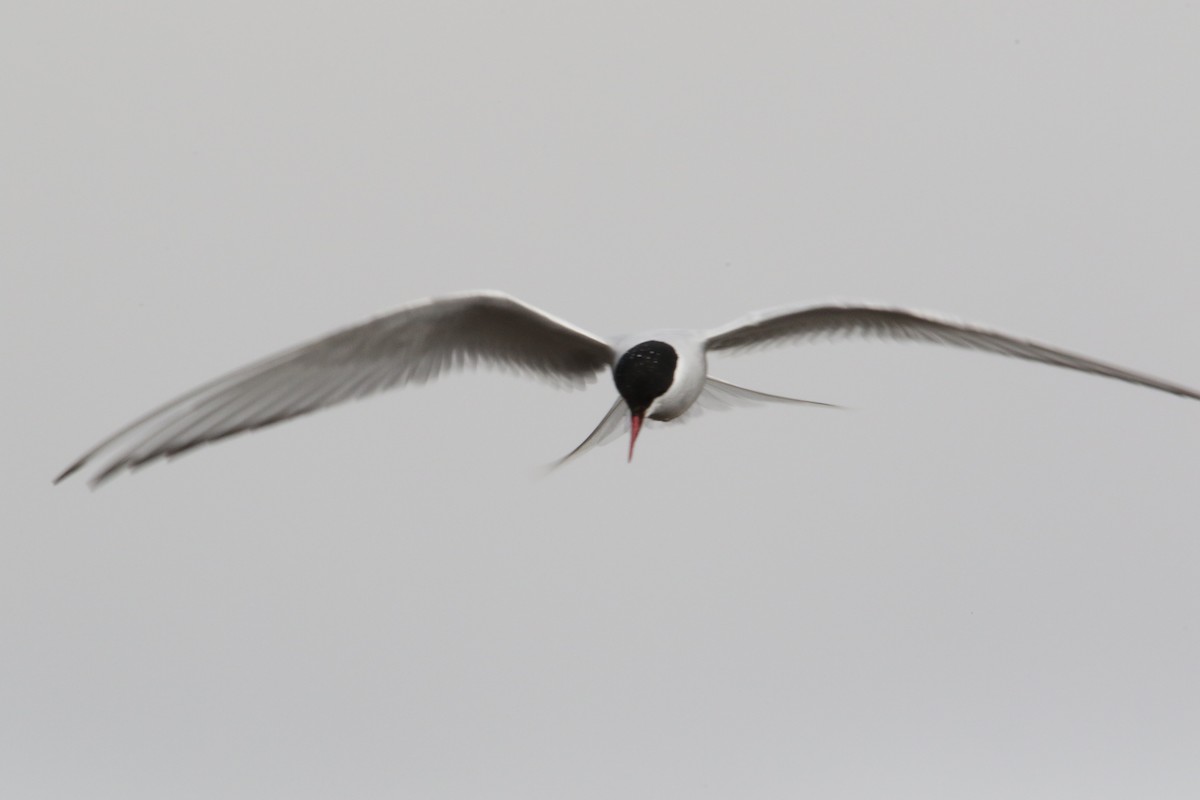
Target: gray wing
[
  {"x": 794, "y": 325},
  {"x": 411, "y": 345}
]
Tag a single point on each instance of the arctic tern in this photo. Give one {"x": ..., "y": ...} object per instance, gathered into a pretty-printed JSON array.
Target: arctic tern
[{"x": 658, "y": 374}]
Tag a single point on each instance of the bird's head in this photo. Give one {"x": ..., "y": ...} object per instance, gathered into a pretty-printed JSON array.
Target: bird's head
[{"x": 643, "y": 374}]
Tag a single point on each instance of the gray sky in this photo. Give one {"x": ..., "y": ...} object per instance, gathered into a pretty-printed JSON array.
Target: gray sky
[{"x": 981, "y": 582}]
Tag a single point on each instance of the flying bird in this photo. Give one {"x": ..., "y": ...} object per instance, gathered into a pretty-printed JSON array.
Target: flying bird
[{"x": 659, "y": 375}]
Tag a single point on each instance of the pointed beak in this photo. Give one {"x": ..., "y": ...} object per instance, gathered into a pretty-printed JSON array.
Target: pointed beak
[{"x": 635, "y": 425}]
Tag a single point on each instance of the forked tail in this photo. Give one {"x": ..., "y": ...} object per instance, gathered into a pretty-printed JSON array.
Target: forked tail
[{"x": 717, "y": 395}]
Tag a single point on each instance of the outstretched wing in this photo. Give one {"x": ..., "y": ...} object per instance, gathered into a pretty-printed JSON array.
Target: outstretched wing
[
  {"x": 794, "y": 325},
  {"x": 412, "y": 345}
]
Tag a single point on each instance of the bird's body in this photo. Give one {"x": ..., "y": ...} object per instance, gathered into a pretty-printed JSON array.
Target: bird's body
[{"x": 659, "y": 374}]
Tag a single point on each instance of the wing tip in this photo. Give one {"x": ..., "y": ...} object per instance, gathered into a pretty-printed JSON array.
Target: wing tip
[
  {"x": 96, "y": 481},
  {"x": 69, "y": 471}
]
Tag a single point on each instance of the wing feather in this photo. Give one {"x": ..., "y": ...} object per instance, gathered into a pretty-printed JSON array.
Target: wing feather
[
  {"x": 828, "y": 321},
  {"x": 415, "y": 344}
]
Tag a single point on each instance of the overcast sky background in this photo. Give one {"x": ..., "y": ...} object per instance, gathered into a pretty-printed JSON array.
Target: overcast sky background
[{"x": 980, "y": 582}]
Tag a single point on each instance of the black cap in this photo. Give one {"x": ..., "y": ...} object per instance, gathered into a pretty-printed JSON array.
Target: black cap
[{"x": 644, "y": 372}]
